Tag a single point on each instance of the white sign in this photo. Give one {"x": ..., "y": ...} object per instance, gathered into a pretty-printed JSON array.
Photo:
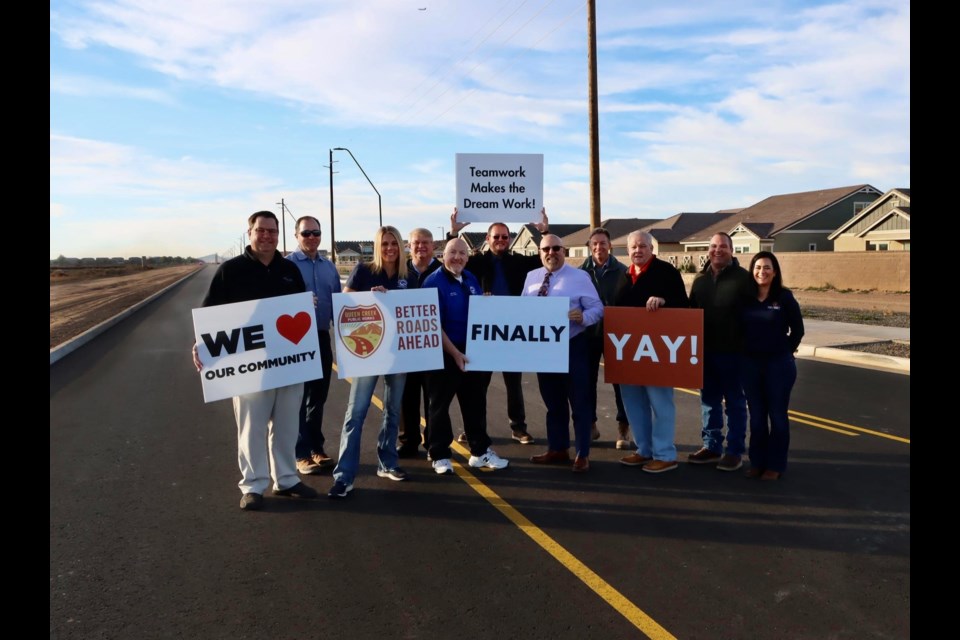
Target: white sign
[
  {"x": 257, "y": 345},
  {"x": 518, "y": 333},
  {"x": 393, "y": 332},
  {"x": 499, "y": 187}
]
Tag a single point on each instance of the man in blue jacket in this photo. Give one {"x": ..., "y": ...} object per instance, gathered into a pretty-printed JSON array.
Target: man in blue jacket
[{"x": 454, "y": 288}]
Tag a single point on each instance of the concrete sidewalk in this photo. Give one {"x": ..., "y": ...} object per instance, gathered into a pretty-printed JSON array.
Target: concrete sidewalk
[{"x": 822, "y": 337}]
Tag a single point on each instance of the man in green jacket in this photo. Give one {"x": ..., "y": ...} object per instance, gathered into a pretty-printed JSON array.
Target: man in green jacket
[{"x": 609, "y": 277}]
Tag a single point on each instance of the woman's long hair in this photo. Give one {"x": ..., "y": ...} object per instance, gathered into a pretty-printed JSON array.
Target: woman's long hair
[
  {"x": 777, "y": 285},
  {"x": 378, "y": 265}
]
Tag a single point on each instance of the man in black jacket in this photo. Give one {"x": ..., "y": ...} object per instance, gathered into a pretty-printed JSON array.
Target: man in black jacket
[
  {"x": 272, "y": 415},
  {"x": 501, "y": 273},
  {"x": 720, "y": 290}
]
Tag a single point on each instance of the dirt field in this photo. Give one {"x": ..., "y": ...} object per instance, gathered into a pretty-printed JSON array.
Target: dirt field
[{"x": 83, "y": 298}]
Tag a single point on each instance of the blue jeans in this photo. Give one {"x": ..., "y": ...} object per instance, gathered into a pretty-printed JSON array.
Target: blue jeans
[
  {"x": 722, "y": 388},
  {"x": 768, "y": 383},
  {"x": 653, "y": 420},
  {"x": 361, "y": 393}
]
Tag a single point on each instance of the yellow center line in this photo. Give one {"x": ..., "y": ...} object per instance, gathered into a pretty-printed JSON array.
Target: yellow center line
[{"x": 601, "y": 587}]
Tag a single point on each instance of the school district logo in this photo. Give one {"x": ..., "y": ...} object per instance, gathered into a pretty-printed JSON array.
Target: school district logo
[{"x": 361, "y": 329}]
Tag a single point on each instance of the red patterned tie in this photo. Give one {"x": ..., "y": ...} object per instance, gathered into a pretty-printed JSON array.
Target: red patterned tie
[{"x": 545, "y": 285}]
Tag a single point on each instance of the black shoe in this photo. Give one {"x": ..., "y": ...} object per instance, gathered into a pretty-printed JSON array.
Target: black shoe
[
  {"x": 339, "y": 490},
  {"x": 407, "y": 452},
  {"x": 298, "y": 490},
  {"x": 251, "y": 502}
]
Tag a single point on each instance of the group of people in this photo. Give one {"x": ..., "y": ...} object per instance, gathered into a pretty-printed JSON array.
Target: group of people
[{"x": 752, "y": 327}]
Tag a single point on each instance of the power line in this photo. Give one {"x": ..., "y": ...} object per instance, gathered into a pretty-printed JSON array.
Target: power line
[
  {"x": 516, "y": 58},
  {"x": 455, "y": 64}
]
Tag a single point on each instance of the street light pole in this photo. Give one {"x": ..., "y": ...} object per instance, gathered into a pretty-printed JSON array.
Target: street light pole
[
  {"x": 379, "y": 199},
  {"x": 283, "y": 225},
  {"x": 333, "y": 244}
]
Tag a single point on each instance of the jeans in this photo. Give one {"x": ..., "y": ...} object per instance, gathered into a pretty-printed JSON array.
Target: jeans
[
  {"x": 310, "y": 439},
  {"x": 722, "y": 388},
  {"x": 653, "y": 420},
  {"x": 361, "y": 393},
  {"x": 768, "y": 383}
]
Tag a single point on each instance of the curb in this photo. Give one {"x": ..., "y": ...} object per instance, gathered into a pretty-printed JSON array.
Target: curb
[
  {"x": 857, "y": 358},
  {"x": 73, "y": 344}
]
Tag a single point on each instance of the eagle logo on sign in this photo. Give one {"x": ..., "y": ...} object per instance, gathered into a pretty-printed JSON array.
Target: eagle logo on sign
[{"x": 361, "y": 329}]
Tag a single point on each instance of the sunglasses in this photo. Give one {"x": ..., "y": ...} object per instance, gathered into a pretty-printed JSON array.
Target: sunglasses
[
  {"x": 555, "y": 247},
  {"x": 307, "y": 234},
  {"x": 500, "y": 237}
]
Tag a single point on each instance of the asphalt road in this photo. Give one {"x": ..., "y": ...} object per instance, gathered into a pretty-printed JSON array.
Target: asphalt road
[{"x": 147, "y": 540}]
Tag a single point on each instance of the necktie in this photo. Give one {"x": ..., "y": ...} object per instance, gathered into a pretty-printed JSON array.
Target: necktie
[{"x": 545, "y": 285}]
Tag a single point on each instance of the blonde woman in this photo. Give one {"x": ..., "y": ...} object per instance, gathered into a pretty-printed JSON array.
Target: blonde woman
[{"x": 388, "y": 272}]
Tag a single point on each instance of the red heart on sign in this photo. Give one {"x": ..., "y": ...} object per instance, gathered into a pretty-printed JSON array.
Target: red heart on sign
[{"x": 293, "y": 328}]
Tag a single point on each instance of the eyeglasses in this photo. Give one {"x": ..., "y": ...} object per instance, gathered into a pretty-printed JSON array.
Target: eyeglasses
[
  {"x": 555, "y": 247},
  {"x": 506, "y": 237},
  {"x": 307, "y": 233}
]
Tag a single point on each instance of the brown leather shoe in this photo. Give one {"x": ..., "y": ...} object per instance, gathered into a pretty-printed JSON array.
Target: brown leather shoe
[
  {"x": 634, "y": 460},
  {"x": 581, "y": 465},
  {"x": 659, "y": 466},
  {"x": 753, "y": 472},
  {"x": 321, "y": 458},
  {"x": 551, "y": 457},
  {"x": 769, "y": 474}
]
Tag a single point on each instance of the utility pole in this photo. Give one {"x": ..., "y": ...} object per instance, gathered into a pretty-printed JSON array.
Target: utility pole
[
  {"x": 594, "y": 117},
  {"x": 333, "y": 244}
]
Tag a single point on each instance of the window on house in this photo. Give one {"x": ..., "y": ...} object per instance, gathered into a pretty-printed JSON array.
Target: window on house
[
  {"x": 743, "y": 248},
  {"x": 860, "y": 206},
  {"x": 877, "y": 246},
  {"x": 812, "y": 246}
]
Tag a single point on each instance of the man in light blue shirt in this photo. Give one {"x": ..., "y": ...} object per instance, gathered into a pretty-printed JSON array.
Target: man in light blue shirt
[
  {"x": 322, "y": 279},
  {"x": 567, "y": 393}
]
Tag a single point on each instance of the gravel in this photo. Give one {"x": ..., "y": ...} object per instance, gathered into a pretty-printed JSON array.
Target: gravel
[{"x": 894, "y": 348}]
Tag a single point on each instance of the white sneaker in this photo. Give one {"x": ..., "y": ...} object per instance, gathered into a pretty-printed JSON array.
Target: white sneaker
[
  {"x": 443, "y": 466},
  {"x": 490, "y": 460}
]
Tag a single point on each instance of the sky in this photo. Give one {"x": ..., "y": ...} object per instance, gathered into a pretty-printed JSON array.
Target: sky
[{"x": 172, "y": 121}]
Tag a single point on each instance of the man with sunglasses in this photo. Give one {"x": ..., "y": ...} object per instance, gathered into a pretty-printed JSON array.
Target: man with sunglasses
[
  {"x": 321, "y": 277},
  {"x": 501, "y": 273},
  {"x": 566, "y": 394},
  {"x": 271, "y": 415}
]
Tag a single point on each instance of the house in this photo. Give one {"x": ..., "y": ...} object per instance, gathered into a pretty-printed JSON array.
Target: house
[
  {"x": 669, "y": 232},
  {"x": 882, "y": 226},
  {"x": 528, "y": 238},
  {"x": 349, "y": 252},
  {"x": 790, "y": 222},
  {"x": 576, "y": 243}
]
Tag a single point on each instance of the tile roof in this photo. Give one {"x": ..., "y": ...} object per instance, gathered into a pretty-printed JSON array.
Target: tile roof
[{"x": 773, "y": 214}]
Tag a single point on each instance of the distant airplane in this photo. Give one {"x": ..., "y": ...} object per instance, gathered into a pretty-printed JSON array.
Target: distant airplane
[{"x": 423, "y": 9}]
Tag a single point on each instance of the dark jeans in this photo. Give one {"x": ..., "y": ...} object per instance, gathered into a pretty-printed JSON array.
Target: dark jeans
[
  {"x": 413, "y": 391},
  {"x": 565, "y": 394},
  {"x": 595, "y": 352},
  {"x": 722, "y": 391},
  {"x": 768, "y": 382},
  {"x": 470, "y": 391},
  {"x": 310, "y": 439}
]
